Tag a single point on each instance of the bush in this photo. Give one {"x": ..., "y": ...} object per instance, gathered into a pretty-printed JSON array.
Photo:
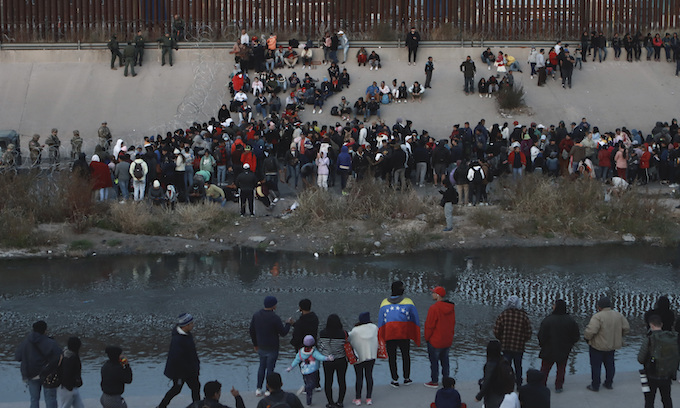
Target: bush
[
  {"x": 511, "y": 97},
  {"x": 81, "y": 245}
]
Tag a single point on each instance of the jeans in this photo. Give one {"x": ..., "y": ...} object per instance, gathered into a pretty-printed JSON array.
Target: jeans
[
  {"x": 261, "y": 109},
  {"x": 421, "y": 171},
  {"x": 123, "y": 185},
  {"x": 294, "y": 172},
  {"x": 469, "y": 84},
  {"x": 602, "y": 54},
  {"x": 188, "y": 176},
  {"x": 50, "y": 394},
  {"x": 515, "y": 67},
  {"x": 344, "y": 174},
  {"x": 68, "y": 399},
  {"x": 598, "y": 357},
  {"x": 273, "y": 180},
  {"x": 399, "y": 178},
  {"x": 516, "y": 173},
  {"x": 617, "y": 52},
  {"x": 546, "y": 366},
  {"x": 221, "y": 174},
  {"x": 267, "y": 362},
  {"x": 103, "y": 194},
  {"x": 515, "y": 358},
  {"x": 664, "y": 387},
  {"x": 177, "y": 385},
  {"x": 139, "y": 187},
  {"x": 310, "y": 380},
  {"x": 338, "y": 366},
  {"x": 650, "y": 52},
  {"x": 603, "y": 173},
  {"x": 533, "y": 68},
  {"x": 438, "y": 355},
  {"x": 404, "y": 345},
  {"x": 269, "y": 65},
  {"x": 364, "y": 369}
]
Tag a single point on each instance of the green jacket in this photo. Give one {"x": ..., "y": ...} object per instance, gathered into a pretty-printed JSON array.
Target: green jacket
[
  {"x": 113, "y": 44},
  {"x": 167, "y": 42},
  {"x": 139, "y": 41},
  {"x": 129, "y": 51}
]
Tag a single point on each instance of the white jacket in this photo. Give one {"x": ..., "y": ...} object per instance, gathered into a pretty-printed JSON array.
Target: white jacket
[{"x": 364, "y": 340}]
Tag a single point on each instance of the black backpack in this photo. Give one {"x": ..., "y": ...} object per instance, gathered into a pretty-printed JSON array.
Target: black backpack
[
  {"x": 477, "y": 177},
  {"x": 269, "y": 403},
  {"x": 335, "y": 111},
  {"x": 138, "y": 171}
]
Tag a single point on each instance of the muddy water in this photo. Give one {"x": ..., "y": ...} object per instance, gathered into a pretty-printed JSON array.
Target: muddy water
[{"x": 131, "y": 301}]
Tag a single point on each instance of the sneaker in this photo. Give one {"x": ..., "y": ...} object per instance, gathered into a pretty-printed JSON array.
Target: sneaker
[
  {"x": 276, "y": 200},
  {"x": 480, "y": 95},
  {"x": 369, "y": 401},
  {"x": 558, "y": 390},
  {"x": 590, "y": 387},
  {"x": 318, "y": 389},
  {"x": 408, "y": 381},
  {"x": 395, "y": 384},
  {"x": 258, "y": 392},
  {"x": 371, "y": 69},
  {"x": 489, "y": 67},
  {"x": 313, "y": 111},
  {"x": 267, "y": 393},
  {"x": 609, "y": 387},
  {"x": 432, "y": 384},
  {"x": 320, "y": 111},
  {"x": 444, "y": 230},
  {"x": 356, "y": 402},
  {"x": 300, "y": 390}
]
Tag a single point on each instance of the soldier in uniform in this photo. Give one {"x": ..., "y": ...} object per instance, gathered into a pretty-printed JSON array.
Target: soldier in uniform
[
  {"x": 9, "y": 158},
  {"x": 115, "y": 52},
  {"x": 104, "y": 136},
  {"x": 35, "y": 149},
  {"x": 129, "y": 55},
  {"x": 139, "y": 48},
  {"x": 167, "y": 44},
  {"x": 76, "y": 145},
  {"x": 53, "y": 144}
]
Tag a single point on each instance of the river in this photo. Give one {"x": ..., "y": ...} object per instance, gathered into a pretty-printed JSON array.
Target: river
[{"x": 132, "y": 301}]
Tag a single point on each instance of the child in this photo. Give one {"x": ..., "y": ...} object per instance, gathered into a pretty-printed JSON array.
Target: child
[
  {"x": 308, "y": 358},
  {"x": 447, "y": 397}
]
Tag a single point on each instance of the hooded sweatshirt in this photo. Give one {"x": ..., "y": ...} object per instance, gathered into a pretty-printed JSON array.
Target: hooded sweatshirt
[
  {"x": 34, "y": 352},
  {"x": 308, "y": 360},
  {"x": 534, "y": 394},
  {"x": 440, "y": 324},
  {"x": 71, "y": 370},
  {"x": 364, "y": 341}
]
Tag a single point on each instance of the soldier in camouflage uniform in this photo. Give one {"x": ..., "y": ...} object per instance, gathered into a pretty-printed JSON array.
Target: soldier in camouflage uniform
[
  {"x": 53, "y": 143},
  {"x": 76, "y": 145},
  {"x": 115, "y": 52},
  {"x": 104, "y": 134},
  {"x": 35, "y": 149},
  {"x": 167, "y": 44},
  {"x": 139, "y": 48},
  {"x": 9, "y": 158},
  {"x": 129, "y": 56}
]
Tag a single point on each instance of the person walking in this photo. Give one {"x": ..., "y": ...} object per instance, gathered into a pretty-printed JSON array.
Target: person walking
[
  {"x": 412, "y": 42},
  {"x": 468, "y": 69},
  {"x": 513, "y": 330},
  {"x": 265, "y": 328},
  {"x": 659, "y": 356},
  {"x": 332, "y": 343},
  {"x": 439, "y": 329},
  {"x": 35, "y": 352},
  {"x": 398, "y": 325},
  {"x": 308, "y": 359},
  {"x": 68, "y": 394},
  {"x": 604, "y": 335},
  {"x": 115, "y": 372},
  {"x": 429, "y": 68},
  {"x": 556, "y": 336},
  {"x": 182, "y": 365},
  {"x": 364, "y": 340}
]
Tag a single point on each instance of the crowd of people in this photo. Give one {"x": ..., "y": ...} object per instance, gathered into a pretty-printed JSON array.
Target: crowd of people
[{"x": 44, "y": 366}]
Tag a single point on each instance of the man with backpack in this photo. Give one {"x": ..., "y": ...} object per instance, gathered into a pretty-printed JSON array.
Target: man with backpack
[
  {"x": 659, "y": 355},
  {"x": 138, "y": 171},
  {"x": 37, "y": 353},
  {"x": 604, "y": 335},
  {"x": 476, "y": 178}
]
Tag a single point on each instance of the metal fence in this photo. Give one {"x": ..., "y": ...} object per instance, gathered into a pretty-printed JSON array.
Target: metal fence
[{"x": 95, "y": 20}]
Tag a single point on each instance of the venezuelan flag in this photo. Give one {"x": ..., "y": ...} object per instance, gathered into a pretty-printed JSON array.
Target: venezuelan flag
[{"x": 399, "y": 321}]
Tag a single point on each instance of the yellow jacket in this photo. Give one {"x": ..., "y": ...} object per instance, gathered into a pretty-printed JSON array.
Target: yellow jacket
[{"x": 606, "y": 329}]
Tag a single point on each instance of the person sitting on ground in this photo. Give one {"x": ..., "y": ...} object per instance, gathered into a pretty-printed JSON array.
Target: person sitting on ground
[
  {"x": 359, "y": 107},
  {"x": 385, "y": 93},
  {"x": 492, "y": 83},
  {"x": 488, "y": 57},
  {"x": 257, "y": 87},
  {"x": 447, "y": 396},
  {"x": 374, "y": 61},
  {"x": 293, "y": 81},
  {"x": 482, "y": 87},
  {"x": 170, "y": 196},
  {"x": 214, "y": 194},
  {"x": 291, "y": 57},
  {"x": 345, "y": 108},
  {"x": 362, "y": 56},
  {"x": 344, "y": 78},
  {"x": 416, "y": 91},
  {"x": 372, "y": 108},
  {"x": 307, "y": 57},
  {"x": 401, "y": 93}
]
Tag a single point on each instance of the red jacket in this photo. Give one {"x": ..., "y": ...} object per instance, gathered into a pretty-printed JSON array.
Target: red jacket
[
  {"x": 644, "y": 159},
  {"x": 604, "y": 158},
  {"x": 511, "y": 158},
  {"x": 101, "y": 175},
  {"x": 440, "y": 324}
]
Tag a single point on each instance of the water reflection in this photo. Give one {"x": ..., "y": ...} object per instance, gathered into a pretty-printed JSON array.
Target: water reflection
[{"x": 132, "y": 300}]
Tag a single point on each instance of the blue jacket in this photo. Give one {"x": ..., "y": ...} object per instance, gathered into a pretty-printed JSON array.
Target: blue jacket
[
  {"x": 265, "y": 329},
  {"x": 34, "y": 352},
  {"x": 308, "y": 360},
  {"x": 447, "y": 398},
  {"x": 344, "y": 159},
  {"x": 182, "y": 357}
]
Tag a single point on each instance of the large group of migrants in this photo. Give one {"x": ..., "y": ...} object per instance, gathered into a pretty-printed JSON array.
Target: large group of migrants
[{"x": 58, "y": 372}]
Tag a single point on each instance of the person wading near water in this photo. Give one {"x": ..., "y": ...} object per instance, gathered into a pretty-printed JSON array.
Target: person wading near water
[
  {"x": 398, "y": 325},
  {"x": 604, "y": 335},
  {"x": 182, "y": 365},
  {"x": 439, "y": 329},
  {"x": 265, "y": 328}
]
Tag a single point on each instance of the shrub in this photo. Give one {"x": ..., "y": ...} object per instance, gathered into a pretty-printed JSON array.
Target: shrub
[
  {"x": 511, "y": 97},
  {"x": 81, "y": 245}
]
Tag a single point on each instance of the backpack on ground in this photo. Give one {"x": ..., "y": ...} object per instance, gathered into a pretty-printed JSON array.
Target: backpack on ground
[
  {"x": 335, "y": 111},
  {"x": 506, "y": 376},
  {"x": 138, "y": 171},
  {"x": 663, "y": 355}
]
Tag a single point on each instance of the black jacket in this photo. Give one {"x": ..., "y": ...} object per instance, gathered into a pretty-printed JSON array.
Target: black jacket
[
  {"x": 211, "y": 403},
  {"x": 280, "y": 396},
  {"x": 182, "y": 357},
  {"x": 34, "y": 352},
  {"x": 114, "y": 377},
  {"x": 556, "y": 336},
  {"x": 412, "y": 39},
  {"x": 70, "y": 370},
  {"x": 307, "y": 324},
  {"x": 265, "y": 328},
  {"x": 534, "y": 394},
  {"x": 246, "y": 181}
]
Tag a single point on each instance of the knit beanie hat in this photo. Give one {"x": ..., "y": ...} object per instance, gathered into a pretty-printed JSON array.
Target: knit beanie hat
[{"x": 308, "y": 341}]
